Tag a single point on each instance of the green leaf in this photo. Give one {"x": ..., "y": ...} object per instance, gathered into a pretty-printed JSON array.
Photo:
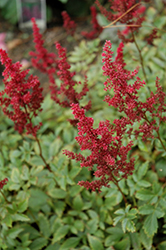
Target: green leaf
[
  {"x": 7, "y": 220},
  {"x": 144, "y": 195},
  {"x": 70, "y": 243},
  {"x": 160, "y": 167},
  {"x": 150, "y": 225},
  {"x": 13, "y": 232},
  {"x": 145, "y": 240},
  {"x": 38, "y": 244},
  {"x": 162, "y": 245},
  {"x": 135, "y": 240},
  {"x": 144, "y": 183},
  {"x": 44, "y": 225},
  {"x": 37, "y": 199},
  {"x": 57, "y": 193},
  {"x": 142, "y": 146},
  {"x": 78, "y": 203},
  {"x": 55, "y": 246},
  {"x": 15, "y": 176},
  {"x": 60, "y": 233},
  {"x": 25, "y": 173},
  {"x": 36, "y": 160},
  {"x": 22, "y": 206},
  {"x": 20, "y": 217},
  {"x": 95, "y": 243},
  {"x": 124, "y": 244},
  {"x": 116, "y": 234},
  {"x": 146, "y": 209},
  {"x": 142, "y": 170},
  {"x": 130, "y": 226}
]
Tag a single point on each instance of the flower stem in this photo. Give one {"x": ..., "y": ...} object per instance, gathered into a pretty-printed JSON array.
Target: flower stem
[
  {"x": 5, "y": 197},
  {"x": 116, "y": 183},
  {"x": 141, "y": 58}
]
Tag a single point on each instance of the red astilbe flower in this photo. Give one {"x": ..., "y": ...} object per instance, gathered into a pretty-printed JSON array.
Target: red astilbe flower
[
  {"x": 108, "y": 154},
  {"x": 22, "y": 97},
  {"x": 126, "y": 96},
  {"x": 67, "y": 93},
  {"x": 3, "y": 182},
  {"x": 152, "y": 36},
  {"x": 120, "y": 10},
  {"x": 68, "y": 24},
  {"x": 96, "y": 29},
  {"x": 41, "y": 58}
]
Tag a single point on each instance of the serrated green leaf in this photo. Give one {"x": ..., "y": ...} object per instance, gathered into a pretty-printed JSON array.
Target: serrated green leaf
[
  {"x": 144, "y": 195},
  {"x": 92, "y": 226},
  {"x": 145, "y": 240},
  {"x": 130, "y": 226},
  {"x": 57, "y": 193},
  {"x": 124, "y": 244},
  {"x": 15, "y": 176},
  {"x": 20, "y": 217},
  {"x": 37, "y": 161},
  {"x": 144, "y": 183},
  {"x": 22, "y": 206},
  {"x": 44, "y": 225},
  {"x": 37, "y": 199},
  {"x": 78, "y": 203},
  {"x": 95, "y": 243},
  {"x": 70, "y": 243},
  {"x": 146, "y": 209},
  {"x": 13, "y": 232},
  {"x": 7, "y": 220},
  {"x": 60, "y": 233},
  {"x": 142, "y": 170},
  {"x": 135, "y": 240},
  {"x": 150, "y": 225},
  {"x": 38, "y": 244},
  {"x": 120, "y": 212}
]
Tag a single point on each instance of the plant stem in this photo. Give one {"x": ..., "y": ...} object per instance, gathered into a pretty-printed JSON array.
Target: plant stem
[
  {"x": 116, "y": 183},
  {"x": 141, "y": 58},
  {"x": 38, "y": 142},
  {"x": 5, "y": 197},
  {"x": 41, "y": 155}
]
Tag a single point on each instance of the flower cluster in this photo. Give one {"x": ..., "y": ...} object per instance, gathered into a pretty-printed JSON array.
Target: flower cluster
[
  {"x": 42, "y": 59},
  {"x": 96, "y": 29},
  {"x": 152, "y": 36},
  {"x": 22, "y": 96},
  {"x": 67, "y": 94},
  {"x": 68, "y": 24},
  {"x": 127, "y": 12},
  {"x": 3, "y": 182},
  {"x": 126, "y": 97},
  {"x": 108, "y": 154}
]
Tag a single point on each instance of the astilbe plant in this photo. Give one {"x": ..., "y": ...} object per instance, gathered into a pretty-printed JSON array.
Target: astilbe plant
[
  {"x": 22, "y": 97},
  {"x": 108, "y": 154},
  {"x": 126, "y": 12},
  {"x": 57, "y": 66},
  {"x": 96, "y": 28},
  {"x": 66, "y": 90},
  {"x": 41, "y": 58},
  {"x": 68, "y": 24}
]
